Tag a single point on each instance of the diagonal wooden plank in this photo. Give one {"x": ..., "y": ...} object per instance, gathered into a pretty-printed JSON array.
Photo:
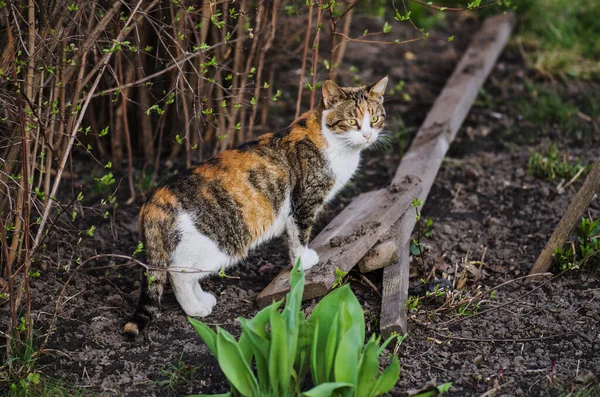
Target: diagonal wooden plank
[
  {"x": 574, "y": 212},
  {"x": 347, "y": 238},
  {"x": 430, "y": 145}
]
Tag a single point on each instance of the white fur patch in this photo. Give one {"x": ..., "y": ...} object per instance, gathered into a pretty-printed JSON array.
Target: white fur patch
[{"x": 196, "y": 251}]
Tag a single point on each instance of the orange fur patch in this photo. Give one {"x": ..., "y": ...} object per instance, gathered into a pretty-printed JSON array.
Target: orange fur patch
[
  {"x": 165, "y": 197},
  {"x": 131, "y": 329}
]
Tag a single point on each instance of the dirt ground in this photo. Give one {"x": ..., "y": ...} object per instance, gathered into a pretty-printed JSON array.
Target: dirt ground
[{"x": 489, "y": 216}]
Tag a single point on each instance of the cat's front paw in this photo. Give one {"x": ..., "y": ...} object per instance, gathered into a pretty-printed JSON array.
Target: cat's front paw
[
  {"x": 308, "y": 258},
  {"x": 206, "y": 303}
]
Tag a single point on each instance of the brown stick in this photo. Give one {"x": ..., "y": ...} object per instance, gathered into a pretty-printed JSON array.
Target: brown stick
[
  {"x": 261, "y": 65},
  {"x": 338, "y": 51},
  {"x": 145, "y": 120},
  {"x": 73, "y": 134},
  {"x": 574, "y": 212},
  {"x": 315, "y": 54},
  {"x": 304, "y": 56},
  {"x": 127, "y": 77}
]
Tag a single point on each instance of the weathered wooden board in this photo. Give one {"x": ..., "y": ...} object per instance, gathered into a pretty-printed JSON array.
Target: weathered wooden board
[
  {"x": 574, "y": 212},
  {"x": 385, "y": 253},
  {"x": 430, "y": 145},
  {"x": 347, "y": 238},
  {"x": 395, "y": 295},
  {"x": 439, "y": 129}
]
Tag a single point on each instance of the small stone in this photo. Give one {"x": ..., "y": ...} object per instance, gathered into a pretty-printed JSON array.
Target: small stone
[
  {"x": 266, "y": 268},
  {"x": 115, "y": 300},
  {"x": 478, "y": 360}
]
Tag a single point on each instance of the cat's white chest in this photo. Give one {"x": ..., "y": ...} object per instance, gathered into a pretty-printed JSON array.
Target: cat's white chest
[{"x": 343, "y": 164}]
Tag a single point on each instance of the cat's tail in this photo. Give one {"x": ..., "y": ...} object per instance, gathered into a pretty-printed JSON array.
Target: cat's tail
[{"x": 156, "y": 222}]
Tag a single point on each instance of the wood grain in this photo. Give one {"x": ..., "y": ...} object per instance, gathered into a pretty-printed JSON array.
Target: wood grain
[{"x": 395, "y": 295}]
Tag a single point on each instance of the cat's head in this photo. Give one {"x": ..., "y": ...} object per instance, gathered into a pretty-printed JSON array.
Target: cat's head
[{"x": 353, "y": 117}]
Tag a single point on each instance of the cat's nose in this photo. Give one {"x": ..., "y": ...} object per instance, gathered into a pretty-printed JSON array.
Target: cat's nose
[{"x": 367, "y": 135}]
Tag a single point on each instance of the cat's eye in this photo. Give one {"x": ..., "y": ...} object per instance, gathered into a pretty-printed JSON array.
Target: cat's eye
[
  {"x": 351, "y": 122},
  {"x": 375, "y": 119}
]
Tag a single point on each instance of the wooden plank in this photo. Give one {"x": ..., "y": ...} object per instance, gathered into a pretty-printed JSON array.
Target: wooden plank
[
  {"x": 385, "y": 253},
  {"x": 429, "y": 147},
  {"x": 393, "y": 314},
  {"x": 574, "y": 212},
  {"x": 347, "y": 238},
  {"x": 439, "y": 129}
]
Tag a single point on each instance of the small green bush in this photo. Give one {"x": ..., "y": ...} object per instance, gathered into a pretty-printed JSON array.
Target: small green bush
[
  {"x": 277, "y": 350},
  {"x": 582, "y": 252}
]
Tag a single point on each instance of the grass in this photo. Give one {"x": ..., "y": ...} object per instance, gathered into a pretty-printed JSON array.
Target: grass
[
  {"x": 551, "y": 164},
  {"x": 177, "y": 374},
  {"x": 547, "y": 109},
  {"x": 36, "y": 385},
  {"x": 559, "y": 37}
]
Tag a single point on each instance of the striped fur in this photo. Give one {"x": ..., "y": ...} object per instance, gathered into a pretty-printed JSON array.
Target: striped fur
[{"x": 210, "y": 216}]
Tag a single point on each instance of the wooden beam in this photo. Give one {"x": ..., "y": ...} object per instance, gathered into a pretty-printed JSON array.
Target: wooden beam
[
  {"x": 429, "y": 147},
  {"x": 439, "y": 129},
  {"x": 385, "y": 253},
  {"x": 395, "y": 295},
  {"x": 347, "y": 238},
  {"x": 574, "y": 212}
]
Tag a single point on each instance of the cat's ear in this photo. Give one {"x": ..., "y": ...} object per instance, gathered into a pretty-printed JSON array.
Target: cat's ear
[
  {"x": 378, "y": 89},
  {"x": 331, "y": 93}
]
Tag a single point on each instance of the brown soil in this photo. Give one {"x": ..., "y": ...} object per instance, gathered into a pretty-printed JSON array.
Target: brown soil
[{"x": 485, "y": 208}]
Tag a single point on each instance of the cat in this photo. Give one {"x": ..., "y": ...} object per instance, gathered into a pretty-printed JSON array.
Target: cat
[{"x": 209, "y": 217}]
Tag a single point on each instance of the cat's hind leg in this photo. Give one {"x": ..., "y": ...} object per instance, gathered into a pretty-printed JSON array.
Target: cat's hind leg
[{"x": 195, "y": 257}]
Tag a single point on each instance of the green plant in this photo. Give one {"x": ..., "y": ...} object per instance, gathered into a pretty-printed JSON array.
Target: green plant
[
  {"x": 41, "y": 386},
  {"x": 550, "y": 164},
  {"x": 339, "y": 277},
  {"x": 412, "y": 304},
  {"x": 584, "y": 250},
  {"x": 283, "y": 347},
  {"x": 178, "y": 374}
]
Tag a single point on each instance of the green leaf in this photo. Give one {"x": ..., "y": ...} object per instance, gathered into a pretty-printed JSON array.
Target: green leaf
[
  {"x": 387, "y": 27},
  {"x": 388, "y": 378},
  {"x": 233, "y": 364},
  {"x": 292, "y": 314},
  {"x": 208, "y": 335},
  {"x": 346, "y": 358},
  {"x": 330, "y": 349},
  {"x": 212, "y": 395},
  {"x": 326, "y": 389},
  {"x": 316, "y": 368},
  {"x": 444, "y": 387},
  {"x": 280, "y": 361},
  {"x": 368, "y": 368},
  {"x": 341, "y": 300}
]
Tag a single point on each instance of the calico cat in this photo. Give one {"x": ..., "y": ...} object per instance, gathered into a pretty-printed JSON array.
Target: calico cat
[{"x": 210, "y": 216}]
